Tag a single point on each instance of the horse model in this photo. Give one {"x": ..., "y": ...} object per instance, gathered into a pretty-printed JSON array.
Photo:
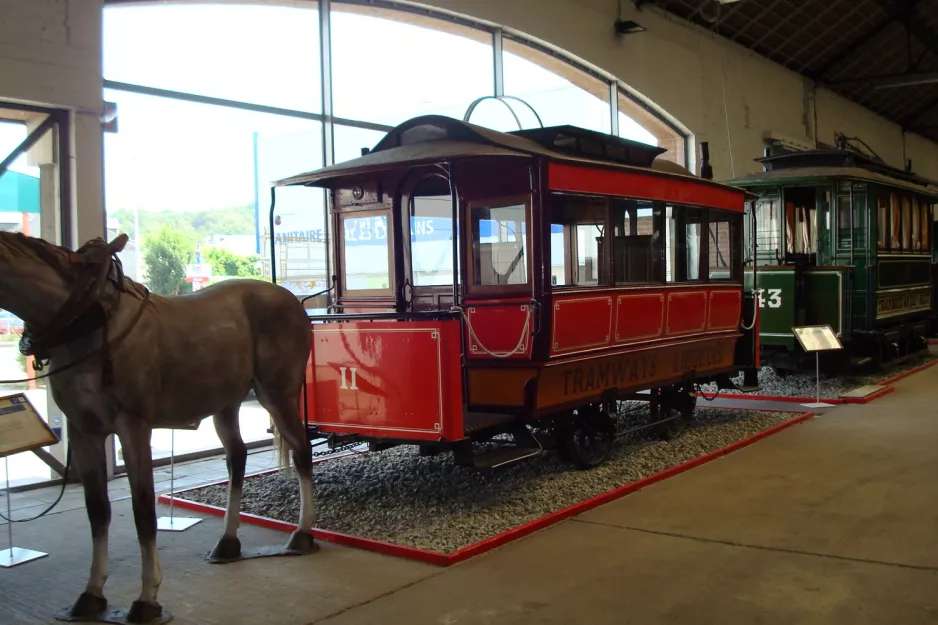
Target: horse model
[{"x": 123, "y": 361}]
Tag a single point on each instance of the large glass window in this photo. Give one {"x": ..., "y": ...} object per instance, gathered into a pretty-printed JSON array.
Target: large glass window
[
  {"x": 262, "y": 54},
  {"x": 499, "y": 244},
  {"x": 722, "y": 245},
  {"x": 390, "y": 66},
  {"x": 560, "y": 93},
  {"x": 30, "y": 203},
  {"x": 189, "y": 182}
]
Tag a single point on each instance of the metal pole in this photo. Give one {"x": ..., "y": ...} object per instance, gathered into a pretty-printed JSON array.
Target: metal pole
[
  {"x": 817, "y": 362},
  {"x": 6, "y": 468},
  {"x": 172, "y": 463}
]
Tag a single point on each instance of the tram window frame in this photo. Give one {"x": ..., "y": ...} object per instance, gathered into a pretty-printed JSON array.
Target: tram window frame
[
  {"x": 801, "y": 221},
  {"x": 768, "y": 229},
  {"x": 734, "y": 227},
  {"x": 676, "y": 242},
  {"x": 627, "y": 216},
  {"x": 883, "y": 222},
  {"x": 364, "y": 214},
  {"x": 417, "y": 194},
  {"x": 473, "y": 249}
]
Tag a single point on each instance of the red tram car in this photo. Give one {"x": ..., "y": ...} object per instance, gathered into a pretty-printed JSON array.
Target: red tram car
[{"x": 521, "y": 284}]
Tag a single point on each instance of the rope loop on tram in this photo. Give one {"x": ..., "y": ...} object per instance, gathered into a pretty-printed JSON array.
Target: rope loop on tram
[{"x": 518, "y": 349}]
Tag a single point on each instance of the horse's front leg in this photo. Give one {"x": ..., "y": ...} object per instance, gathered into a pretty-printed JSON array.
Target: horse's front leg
[
  {"x": 236, "y": 454},
  {"x": 89, "y": 454},
  {"x": 135, "y": 441}
]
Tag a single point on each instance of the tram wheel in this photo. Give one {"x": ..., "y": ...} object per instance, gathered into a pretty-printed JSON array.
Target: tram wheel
[
  {"x": 587, "y": 439},
  {"x": 678, "y": 408}
]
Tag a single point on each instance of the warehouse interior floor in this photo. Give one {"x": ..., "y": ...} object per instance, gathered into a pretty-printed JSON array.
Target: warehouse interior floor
[{"x": 832, "y": 521}]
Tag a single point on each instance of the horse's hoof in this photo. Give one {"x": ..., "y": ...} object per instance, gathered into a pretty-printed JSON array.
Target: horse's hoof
[
  {"x": 302, "y": 542},
  {"x": 227, "y": 549},
  {"x": 143, "y": 612},
  {"x": 88, "y": 606}
]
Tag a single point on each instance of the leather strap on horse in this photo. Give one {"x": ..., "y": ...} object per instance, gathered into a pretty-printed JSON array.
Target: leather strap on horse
[{"x": 80, "y": 315}]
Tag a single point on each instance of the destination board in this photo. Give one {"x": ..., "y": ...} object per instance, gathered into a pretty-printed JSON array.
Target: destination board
[
  {"x": 817, "y": 338},
  {"x": 902, "y": 303},
  {"x": 21, "y": 427}
]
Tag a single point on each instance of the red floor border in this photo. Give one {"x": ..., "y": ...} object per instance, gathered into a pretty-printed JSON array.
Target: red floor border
[
  {"x": 886, "y": 384},
  {"x": 906, "y": 374},
  {"x": 493, "y": 542}
]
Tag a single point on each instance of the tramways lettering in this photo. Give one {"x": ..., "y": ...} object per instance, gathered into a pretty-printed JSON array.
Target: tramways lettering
[
  {"x": 899, "y": 303},
  {"x": 638, "y": 369},
  {"x": 626, "y": 371}
]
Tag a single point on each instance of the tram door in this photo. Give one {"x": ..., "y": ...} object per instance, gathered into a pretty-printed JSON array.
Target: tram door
[{"x": 430, "y": 268}]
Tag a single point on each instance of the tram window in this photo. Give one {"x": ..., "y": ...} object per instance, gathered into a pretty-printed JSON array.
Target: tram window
[
  {"x": 882, "y": 235},
  {"x": 722, "y": 246},
  {"x": 768, "y": 233},
  {"x": 801, "y": 220},
  {"x": 431, "y": 234},
  {"x": 635, "y": 245},
  {"x": 589, "y": 238},
  {"x": 693, "y": 243},
  {"x": 499, "y": 245},
  {"x": 558, "y": 255},
  {"x": 685, "y": 247},
  {"x": 895, "y": 236},
  {"x": 925, "y": 211},
  {"x": 365, "y": 251},
  {"x": 906, "y": 223}
]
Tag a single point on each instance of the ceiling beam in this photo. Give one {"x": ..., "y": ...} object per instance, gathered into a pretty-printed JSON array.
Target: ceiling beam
[
  {"x": 898, "y": 79},
  {"x": 908, "y": 122},
  {"x": 852, "y": 47},
  {"x": 925, "y": 35}
]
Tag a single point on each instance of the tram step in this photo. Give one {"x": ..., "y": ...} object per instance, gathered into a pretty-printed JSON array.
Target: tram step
[{"x": 502, "y": 456}]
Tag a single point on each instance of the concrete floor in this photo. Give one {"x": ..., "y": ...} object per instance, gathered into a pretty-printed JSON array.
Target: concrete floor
[{"x": 833, "y": 521}]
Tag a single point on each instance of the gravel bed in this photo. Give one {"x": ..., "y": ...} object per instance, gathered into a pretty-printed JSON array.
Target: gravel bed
[
  {"x": 399, "y": 497},
  {"x": 805, "y": 384}
]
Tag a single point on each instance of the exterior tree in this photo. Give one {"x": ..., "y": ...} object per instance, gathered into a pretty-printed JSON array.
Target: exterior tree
[
  {"x": 165, "y": 256},
  {"x": 225, "y": 263}
]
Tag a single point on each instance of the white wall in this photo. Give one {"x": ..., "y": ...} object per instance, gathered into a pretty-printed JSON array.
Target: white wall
[
  {"x": 50, "y": 54},
  {"x": 678, "y": 66}
]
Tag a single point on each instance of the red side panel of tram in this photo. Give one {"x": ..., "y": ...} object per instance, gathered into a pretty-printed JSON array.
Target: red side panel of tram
[{"x": 386, "y": 379}]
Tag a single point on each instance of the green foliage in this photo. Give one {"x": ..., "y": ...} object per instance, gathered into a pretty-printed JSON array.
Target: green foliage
[
  {"x": 195, "y": 224},
  {"x": 224, "y": 263},
  {"x": 165, "y": 256}
]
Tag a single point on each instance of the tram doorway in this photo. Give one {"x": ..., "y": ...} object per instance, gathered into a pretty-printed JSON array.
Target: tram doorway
[{"x": 430, "y": 245}]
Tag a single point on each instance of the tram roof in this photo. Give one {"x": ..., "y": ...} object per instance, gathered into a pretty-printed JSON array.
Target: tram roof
[
  {"x": 435, "y": 138},
  {"x": 817, "y": 165}
]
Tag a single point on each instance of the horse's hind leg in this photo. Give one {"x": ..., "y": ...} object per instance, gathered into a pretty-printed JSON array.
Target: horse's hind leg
[
  {"x": 284, "y": 410},
  {"x": 92, "y": 467},
  {"x": 229, "y": 432},
  {"x": 135, "y": 440}
]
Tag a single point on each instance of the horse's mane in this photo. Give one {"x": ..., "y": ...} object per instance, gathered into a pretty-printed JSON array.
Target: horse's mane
[{"x": 17, "y": 244}]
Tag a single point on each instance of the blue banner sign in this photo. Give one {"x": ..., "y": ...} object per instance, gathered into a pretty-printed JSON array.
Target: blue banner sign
[{"x": 373, "y": 230}]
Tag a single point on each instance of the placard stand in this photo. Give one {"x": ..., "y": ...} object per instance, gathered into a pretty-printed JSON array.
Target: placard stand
[
  {"x": 817, "y": 339},
  {"x": 173, "y": 523},
  {"x": 21, "y": 429}
]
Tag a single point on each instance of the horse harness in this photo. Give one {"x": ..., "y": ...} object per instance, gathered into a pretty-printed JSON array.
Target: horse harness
[{"x": 90, "y": 269}]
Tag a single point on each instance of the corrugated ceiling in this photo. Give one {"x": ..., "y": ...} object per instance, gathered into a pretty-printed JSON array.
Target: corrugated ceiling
[{"x": 841, "y": 44}]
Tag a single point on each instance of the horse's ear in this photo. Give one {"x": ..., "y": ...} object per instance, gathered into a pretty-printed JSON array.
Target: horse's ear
[{"x": 118, "y": 243}]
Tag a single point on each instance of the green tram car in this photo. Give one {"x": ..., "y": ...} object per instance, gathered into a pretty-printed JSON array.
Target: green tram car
[{"x": 839, "y": 238}]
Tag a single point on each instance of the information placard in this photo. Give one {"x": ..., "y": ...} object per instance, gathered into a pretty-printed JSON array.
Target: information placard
[
  {"x": 817, "y": 338},
  {"x": 21, "y": 427}
]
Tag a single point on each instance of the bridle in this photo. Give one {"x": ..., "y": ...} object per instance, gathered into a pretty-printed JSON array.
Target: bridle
[{"x": 90, "y": 269}]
